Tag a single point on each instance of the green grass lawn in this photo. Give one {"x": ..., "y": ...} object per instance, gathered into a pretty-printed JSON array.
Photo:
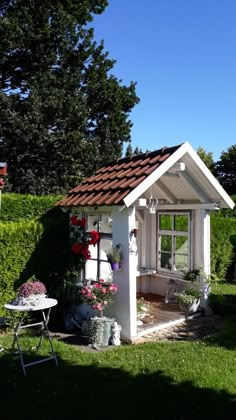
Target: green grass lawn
[{"x": 179, "y": 380}]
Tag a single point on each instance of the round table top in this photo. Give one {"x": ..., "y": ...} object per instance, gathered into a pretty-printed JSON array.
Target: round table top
[{"x": 45, "y": 303}]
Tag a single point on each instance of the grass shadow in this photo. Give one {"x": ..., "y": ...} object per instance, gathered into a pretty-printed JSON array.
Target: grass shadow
[{"x": 91, "y": 391}]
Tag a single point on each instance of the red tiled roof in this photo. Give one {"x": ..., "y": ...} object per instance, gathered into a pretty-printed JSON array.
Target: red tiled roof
[{"x": 112, "y": 183}]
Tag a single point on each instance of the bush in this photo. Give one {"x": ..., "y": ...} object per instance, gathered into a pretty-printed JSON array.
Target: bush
[
  {"x": 18, "y": 242},
  {"x": 37, "y": 247},
  {"x": 222, "y": 249},
  {"x": 15, "y": 207}
]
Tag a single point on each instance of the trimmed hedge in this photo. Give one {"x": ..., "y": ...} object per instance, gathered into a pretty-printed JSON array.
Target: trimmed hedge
[
  {"x": 18, "y": 206},
  {"x": 37, "y": 247},
  {"x": 223, "y": 230},
  {"x": 18, "y": 242}
]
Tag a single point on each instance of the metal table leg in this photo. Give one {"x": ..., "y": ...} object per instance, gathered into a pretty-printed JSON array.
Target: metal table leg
[{"x": 44, "y": 333}]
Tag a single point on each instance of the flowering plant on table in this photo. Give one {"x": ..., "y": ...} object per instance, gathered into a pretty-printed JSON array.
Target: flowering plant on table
[
  {"x": 31, "y": 292},
  {"x": 98, "y": 295}
]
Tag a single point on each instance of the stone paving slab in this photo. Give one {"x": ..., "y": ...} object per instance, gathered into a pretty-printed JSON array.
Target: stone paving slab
[{"x": 188, "y": 330}]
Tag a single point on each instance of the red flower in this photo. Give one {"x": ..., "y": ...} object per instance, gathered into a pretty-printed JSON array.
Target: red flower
[
  {"x": 82, "y": 222},
  {"x": 74, "y": 220},
  {"x": 85, "y": 252},
  {"x": 76, "y": 248},
  {"x": 95, "y": 237},
  {"x": 2, "y": 183}
]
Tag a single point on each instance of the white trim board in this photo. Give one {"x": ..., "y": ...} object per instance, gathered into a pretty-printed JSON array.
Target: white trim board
[{"x": 165, "y": 166}]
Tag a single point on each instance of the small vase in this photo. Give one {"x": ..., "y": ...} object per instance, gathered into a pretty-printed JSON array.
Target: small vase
[{"x": 115, "y": 266}]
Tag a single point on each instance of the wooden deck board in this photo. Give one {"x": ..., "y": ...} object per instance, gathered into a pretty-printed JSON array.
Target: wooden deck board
[{"x": 160, "y": 312}]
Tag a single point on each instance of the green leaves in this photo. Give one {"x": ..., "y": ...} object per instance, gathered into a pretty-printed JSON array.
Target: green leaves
[{"x": 63, "y": 114}]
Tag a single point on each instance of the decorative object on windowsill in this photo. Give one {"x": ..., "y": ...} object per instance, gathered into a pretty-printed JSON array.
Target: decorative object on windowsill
[
  {"x": 31, "y": 293},
  {"x": 99, "y": 296},
  {"x": 189, "y": 300},
  {"x": 114, "y": 257}
]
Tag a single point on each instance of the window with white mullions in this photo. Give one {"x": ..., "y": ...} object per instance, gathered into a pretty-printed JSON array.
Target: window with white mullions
[
  {"x": 97, "y": 267},
  {"x": 174, "y": 242}
]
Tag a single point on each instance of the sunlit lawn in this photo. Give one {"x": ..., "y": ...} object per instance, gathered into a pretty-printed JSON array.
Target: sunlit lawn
[{"x": 181, "y": 380}]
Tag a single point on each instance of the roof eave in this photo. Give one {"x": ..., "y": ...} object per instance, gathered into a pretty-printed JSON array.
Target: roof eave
[{"x": 165, "y": 166}]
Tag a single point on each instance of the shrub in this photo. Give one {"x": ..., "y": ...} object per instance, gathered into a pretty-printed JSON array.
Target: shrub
[{"x": 222, "y": 250}]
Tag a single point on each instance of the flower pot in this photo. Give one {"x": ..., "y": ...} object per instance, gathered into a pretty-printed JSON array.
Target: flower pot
[
  {"x": 32, "y": 300},
  {"x": 100, "y": 331},
  {"x": 189, "y": 309},
  {"x": 115, "y": 266}
]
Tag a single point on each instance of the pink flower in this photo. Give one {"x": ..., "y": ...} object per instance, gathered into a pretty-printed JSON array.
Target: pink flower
[{"x": 102, "y": 281}]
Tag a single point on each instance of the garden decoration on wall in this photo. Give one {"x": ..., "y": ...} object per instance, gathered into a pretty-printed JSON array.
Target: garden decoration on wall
[
  {"x": 114, "y": 257},
  {"x": 99, "y": 296}
]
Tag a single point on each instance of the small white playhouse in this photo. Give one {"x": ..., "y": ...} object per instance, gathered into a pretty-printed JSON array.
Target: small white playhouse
[{"x": 156, "y": 208}]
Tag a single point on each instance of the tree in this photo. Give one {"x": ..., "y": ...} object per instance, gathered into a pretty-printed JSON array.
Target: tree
[
  {"x": 129, "y": 151},
  {"x": 138, "y": 151},
  {"x": 207, "y": 158},
  {"x": 62, "y": 113},
  {"x": 226, "y": 170}
]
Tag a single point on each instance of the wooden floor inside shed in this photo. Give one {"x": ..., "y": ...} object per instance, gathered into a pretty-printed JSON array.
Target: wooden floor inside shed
[{"x": 160, "y": 314}]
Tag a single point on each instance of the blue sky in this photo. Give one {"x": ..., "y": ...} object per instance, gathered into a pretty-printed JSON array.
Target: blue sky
[{"x": 182, "y": 54}]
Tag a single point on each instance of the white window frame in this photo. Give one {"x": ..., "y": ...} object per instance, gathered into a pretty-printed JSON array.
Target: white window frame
[
  {"x": 174, "y": 233},
  {"x": 103, "y": 235}
]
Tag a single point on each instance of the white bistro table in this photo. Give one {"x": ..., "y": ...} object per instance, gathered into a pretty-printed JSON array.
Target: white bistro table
[{"x": 44, "y": 308}]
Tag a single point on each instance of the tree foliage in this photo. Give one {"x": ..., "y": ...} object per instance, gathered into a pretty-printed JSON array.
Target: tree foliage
[
  {"x": 207, "y": 158},
  {"x": 62, "y": 112},
  {"x": 226, "y": 170}
]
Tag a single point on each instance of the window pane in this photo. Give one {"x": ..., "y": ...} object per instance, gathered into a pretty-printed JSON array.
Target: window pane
[
  {"x": 93, "y": 251},
  {"x": 105, "y": 225},
  {"x": 92, "y": 222},
  {"x": 105, "y": 271},
  {"x": 91, "y": 270},
  {"x": 181, "y": 262},
  {"x": 105, "y": 245},
  {"x": 166, "y": 260},
  {"x": 166, "y": 243},
  {"x": 165, "y": 222},
  {"x": 181, "y": 244},
  {"x": 181, "y": 223}
]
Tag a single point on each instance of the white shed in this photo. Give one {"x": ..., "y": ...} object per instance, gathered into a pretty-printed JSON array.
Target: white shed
[{"x": 156, "y": 206}]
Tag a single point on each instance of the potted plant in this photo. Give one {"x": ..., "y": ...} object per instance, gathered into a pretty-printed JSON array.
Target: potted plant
[
  {"x": 188, "y": 300},
  {"x": 192, "y": 275},
  {"x": 99, "y": 296},
  {"x": 31, "y": 293},
  {"x": 114, "y": 257}
]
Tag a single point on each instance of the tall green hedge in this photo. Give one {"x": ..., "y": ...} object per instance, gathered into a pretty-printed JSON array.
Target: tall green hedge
[
  {"x": 223, "y": 230},
  {"x": 15, "y": 207},
  {"x": 18, "y": 242},
  {"x": 33, "y": 243}
]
